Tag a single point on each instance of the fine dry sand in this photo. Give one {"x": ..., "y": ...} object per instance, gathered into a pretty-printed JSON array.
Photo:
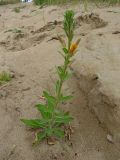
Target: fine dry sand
[{"x": 28, "y": 50}]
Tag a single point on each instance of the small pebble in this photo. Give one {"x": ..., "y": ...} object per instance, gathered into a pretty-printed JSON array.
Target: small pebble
[
  {"x": 110, "y": 138},
  {"x": 76, "y": 154},
  {"x": 26, "y": 89}
]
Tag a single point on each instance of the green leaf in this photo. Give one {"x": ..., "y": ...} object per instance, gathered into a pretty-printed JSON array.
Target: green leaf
[
  {"x": 65, "y": 50},
  {"x": 49, "y": 132},
  {"x": 66, "y": 113},
  {"x": 69, "y": 24},
  {"x": 41, "y": 136},
  {"x": 60, "y": 71},
  {"x": 62, "y": 74},
  {"x": 39, "y": 106},
  {"x": 45, "y": 111},
  {"x": 67, "y": 75},
  {"x": 4, "y": 77},
  {"x": 34, "y": 123},
  {"x": 57, "y": 86},
  {"x": 50, "y": 99},
  {"x": 62, "y": 119},
  {"x": 58, "y": 132},
  {"x": 65, "y": 98}
]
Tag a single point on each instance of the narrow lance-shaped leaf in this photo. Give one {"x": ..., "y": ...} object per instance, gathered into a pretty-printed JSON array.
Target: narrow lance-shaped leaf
[
  {"x": 69, "y": 24},
  {"x": 34, "y": 123},
  {"x": 58, "y": 132},
  {"x": 40, "y": 136},
  {"x": 51, "y": 101},
  {"x": 62, "y": 119},
  {"x": 60, "y": 72},
  {"x": 45, "y": 111},
  {"x": 57, "y": 86},
  {"x": 65, "y": 50},
  {"x": 66, "y": 75},
  {"x": 65, "y": 98},
  {"x": 49, "y": 131}
]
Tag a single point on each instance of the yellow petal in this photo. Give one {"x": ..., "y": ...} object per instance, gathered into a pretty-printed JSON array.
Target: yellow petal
[{"x": 73, "y": 48}]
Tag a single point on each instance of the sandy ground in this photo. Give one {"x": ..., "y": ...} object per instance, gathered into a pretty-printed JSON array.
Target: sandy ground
[{"x": 31, "y": 55}]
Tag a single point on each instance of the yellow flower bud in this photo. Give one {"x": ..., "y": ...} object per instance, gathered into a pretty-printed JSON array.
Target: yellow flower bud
[{"x": 74, "y": 46}]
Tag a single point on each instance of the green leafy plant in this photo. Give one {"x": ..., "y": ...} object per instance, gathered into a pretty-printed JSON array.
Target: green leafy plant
[
  {"x": 84, "y": 2},
  {"x": 55, "y": 2},
  {"x": 5, "y": 2},
  {"x": 16, "y": 9},
  {"x": 53, "y": 119},
  {"x": 4, "y": 77},
  {"x": 14, "y": 30},
  {"x": 49, "y": 2}
]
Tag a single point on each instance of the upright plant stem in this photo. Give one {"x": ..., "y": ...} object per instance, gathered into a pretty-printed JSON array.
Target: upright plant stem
[
  {"x": 64, "y": 71},
  {"x": 59, "y": 91}
]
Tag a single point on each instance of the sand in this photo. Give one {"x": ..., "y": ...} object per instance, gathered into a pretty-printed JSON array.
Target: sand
[{"x": 29, "y": 51}]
